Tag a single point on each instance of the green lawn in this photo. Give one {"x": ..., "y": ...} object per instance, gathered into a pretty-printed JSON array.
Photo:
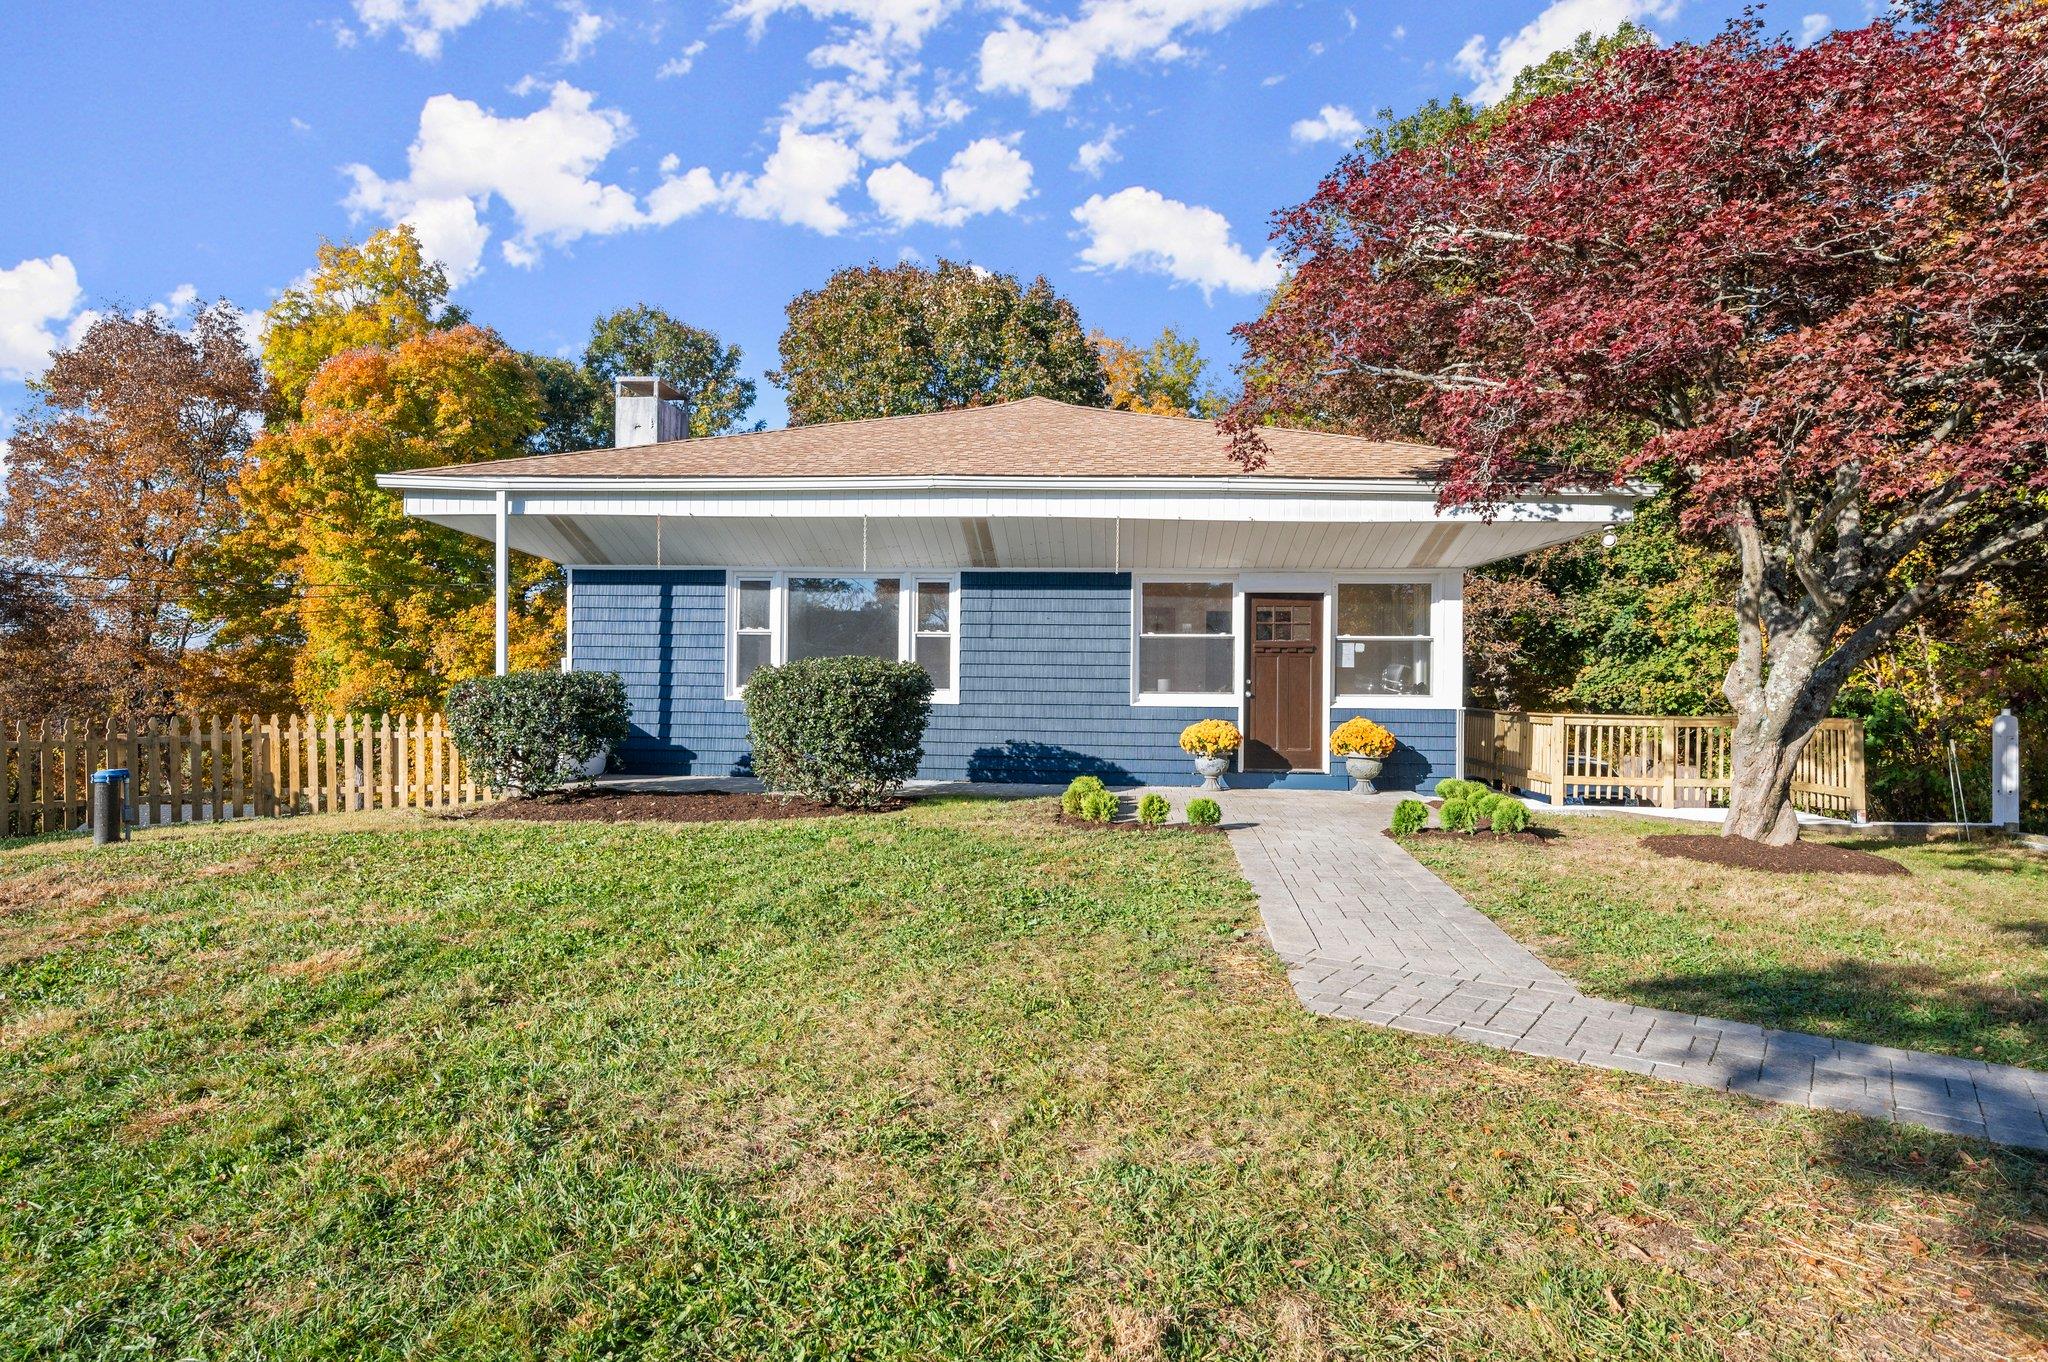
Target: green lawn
[
  {"x": 1952, "y": 958},
  {"x": 945, "y": 1083}
]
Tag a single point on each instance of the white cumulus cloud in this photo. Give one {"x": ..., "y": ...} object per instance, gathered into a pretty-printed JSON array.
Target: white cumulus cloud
[
  {"x": 1142, "y": 229},
  {"x": 1814, "y": 27},
  {"x": 988, "y": 175},
  {"x": 680, "y": 64},
  {"x": 1332, "y": 123},
  {"x": 585, "y": 29},
  {"x": 799, "y": 184},
  {"x": 1094, "y": 157},
  {"x": 1051, "y": 60},
  {"x": 423, "y": 24},
  {"x": 39, "y": 312},
  {"x": 1493, "y": 66},
  {"x": 540, "y": 165}
]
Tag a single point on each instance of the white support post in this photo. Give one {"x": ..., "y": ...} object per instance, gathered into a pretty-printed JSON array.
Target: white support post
[
  {"x": 2005, "y": 770},
  {"x": 501, "y": 570}
]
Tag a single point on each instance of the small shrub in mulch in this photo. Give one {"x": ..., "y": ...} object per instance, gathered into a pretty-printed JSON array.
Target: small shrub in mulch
[
  {"x": 670, "y": 806},
  {"x": 1530, "y": 837},
  {"x": 1121, "y": 825},
  {"x": 1801, "y": 858}
]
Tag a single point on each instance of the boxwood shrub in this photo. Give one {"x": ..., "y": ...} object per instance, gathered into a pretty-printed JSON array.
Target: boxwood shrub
[
  {"x": 1204, "y": 812},
  {"x": 531, "y": 732},
  {"x": 1410, "y": 816},
  {"x": 841, "y": 730},
  {"x": 1100, "y": 806},
  {"x": 1507, "y": 814},
  {"x": 1460, "y": 814},
  {"x": 1077, "y": 791}
]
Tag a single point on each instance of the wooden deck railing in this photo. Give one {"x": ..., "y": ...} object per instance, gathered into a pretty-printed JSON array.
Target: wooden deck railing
[
  {"x": 1666, "y": 763},
  {"x": 186, "y": 770}
]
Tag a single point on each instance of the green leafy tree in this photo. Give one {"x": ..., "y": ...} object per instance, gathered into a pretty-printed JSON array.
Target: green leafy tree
[
  {"x": 380, "y": 292},
  {"x": 890, "y": 342},
  {"x": 644, "y": 340},
  {"x": 575, "y": 406},
  {"x": 1165, "y": 378}
]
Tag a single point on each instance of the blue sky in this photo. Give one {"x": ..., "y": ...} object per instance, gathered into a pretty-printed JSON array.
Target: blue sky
[{"x": 568, "y": 157}]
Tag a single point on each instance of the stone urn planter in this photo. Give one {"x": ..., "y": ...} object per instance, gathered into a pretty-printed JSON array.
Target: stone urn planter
[
  {"x": 1212, "y": 743},
  {"x": 1364, "y": 770}
]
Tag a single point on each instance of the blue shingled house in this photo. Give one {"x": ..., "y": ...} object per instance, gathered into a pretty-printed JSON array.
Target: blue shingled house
[{"x": 1081, "y": 583}]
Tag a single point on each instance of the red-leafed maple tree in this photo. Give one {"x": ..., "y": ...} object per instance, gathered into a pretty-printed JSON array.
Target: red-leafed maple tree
[{"x": 1806, "y": 289}]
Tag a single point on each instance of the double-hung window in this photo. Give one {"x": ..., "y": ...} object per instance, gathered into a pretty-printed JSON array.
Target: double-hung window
[
  {"x": 1187, "y": 644},
  {"x": 1383, "y": 638},
  {"x": 781, "y": 617}
]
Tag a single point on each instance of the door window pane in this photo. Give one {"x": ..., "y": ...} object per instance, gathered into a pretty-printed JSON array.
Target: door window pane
[
  {"x": 1383, "y": 666},
  {"x": 844, "y": 617},
  {"x": 1383, "y": 609}
]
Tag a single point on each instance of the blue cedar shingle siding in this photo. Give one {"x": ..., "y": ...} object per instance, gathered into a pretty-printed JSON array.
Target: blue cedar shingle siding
[{"x": 1045, "y": 683}]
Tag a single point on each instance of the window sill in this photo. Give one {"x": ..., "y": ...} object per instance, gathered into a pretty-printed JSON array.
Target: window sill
[{"x": 1200, "y": 700}]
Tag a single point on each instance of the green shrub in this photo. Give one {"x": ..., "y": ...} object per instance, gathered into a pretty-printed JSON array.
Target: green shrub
[
  {"x": 841, "y": 730},
  {"x": 1410, "y": 816},
  {"x": 530, "y": 732},
  {"x": 1204, "y": 812},
  {"x": 1100, "y": 806},
  {"x": 1459, "y": 814},
  {"x": 1508, "y": 815},
  {"x": 1153, "y": 808},
  {"x": 1460, "y": 789},
  {"x": 1077, "y": 790}
]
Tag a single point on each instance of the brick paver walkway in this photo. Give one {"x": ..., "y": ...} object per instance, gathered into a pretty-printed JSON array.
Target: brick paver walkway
[{"x": 1370, "y": 935}]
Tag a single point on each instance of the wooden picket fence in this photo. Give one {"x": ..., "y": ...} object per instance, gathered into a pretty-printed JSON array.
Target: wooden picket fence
[
  {"x": 193, "y": 770},
  {"x": 1658, "y": 762}
]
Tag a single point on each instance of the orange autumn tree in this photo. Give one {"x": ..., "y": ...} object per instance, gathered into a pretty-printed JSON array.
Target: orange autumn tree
[
  {"x": 393, "y": 610},
  {"x": 119, "y": 478}
]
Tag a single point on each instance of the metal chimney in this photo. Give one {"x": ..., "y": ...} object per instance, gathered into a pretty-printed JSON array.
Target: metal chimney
[{"x": 647, "y": 410}]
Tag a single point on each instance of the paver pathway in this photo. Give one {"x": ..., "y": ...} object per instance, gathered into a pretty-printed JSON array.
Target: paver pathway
[{"x": 1369, "y": 934}]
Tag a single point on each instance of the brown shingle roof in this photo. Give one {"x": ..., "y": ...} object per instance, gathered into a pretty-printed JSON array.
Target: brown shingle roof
[{"x": 1030, "y": 437}]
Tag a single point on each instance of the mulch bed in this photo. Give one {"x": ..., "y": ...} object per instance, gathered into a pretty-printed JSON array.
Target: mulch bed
[
  {"x": 1801, "y": 858},
  {"x": 1129, "y": 825},
  {"x": 1531, "y": 837},
  {"x": 677, "y": 806}
]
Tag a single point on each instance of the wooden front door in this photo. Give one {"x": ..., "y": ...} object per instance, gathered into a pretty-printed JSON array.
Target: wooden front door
[{"x": 1283, "y": 684}]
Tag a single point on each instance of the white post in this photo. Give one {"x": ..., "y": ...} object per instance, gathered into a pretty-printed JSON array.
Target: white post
[
  {"x": 2005, "y": 770},
  {"x": 502, "y": 570}
]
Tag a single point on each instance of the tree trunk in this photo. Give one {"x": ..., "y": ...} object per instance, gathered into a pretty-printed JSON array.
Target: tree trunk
[{"x": 1776, "y": 713}]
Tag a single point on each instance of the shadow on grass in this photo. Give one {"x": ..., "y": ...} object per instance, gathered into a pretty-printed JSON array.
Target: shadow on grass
[
  {"x": 2002, "y": 1224},
  {"x": 1901, "y": 1005}
]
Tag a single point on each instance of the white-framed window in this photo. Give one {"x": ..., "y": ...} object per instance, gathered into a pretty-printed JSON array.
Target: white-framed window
[
  {"x": 776, "y": 616},
  {"x": 1385, "y": 643},
  {"x": 1187, "y": 641}
]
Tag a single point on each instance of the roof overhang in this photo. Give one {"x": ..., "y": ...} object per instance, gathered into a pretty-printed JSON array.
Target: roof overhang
[{"x": 1071, "y": 523}]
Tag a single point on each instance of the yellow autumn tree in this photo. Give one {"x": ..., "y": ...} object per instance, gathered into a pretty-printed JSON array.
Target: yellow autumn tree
[
  {"x": 388, "y": 610},
  {"x": 380, "y": 292},
  {"x": 1163, "y": 378}
]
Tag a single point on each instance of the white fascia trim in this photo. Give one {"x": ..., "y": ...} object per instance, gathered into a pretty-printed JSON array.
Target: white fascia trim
[{"x": 1238, "y": 484}]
